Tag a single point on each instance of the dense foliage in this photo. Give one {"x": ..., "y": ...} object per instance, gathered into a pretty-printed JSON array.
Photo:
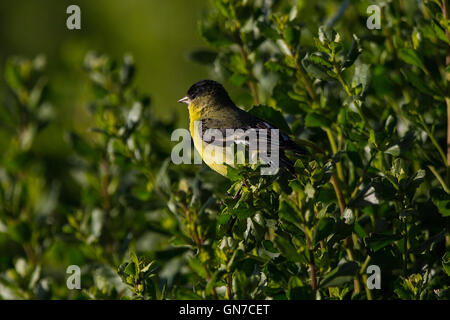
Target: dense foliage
[{"x": 371, "y": 106}]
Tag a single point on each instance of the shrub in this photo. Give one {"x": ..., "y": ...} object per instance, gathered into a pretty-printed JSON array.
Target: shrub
[{"x": 371, "y": 106}]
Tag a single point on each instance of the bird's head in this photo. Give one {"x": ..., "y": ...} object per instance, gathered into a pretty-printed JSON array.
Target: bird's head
[{"x": 206, "y": 94}]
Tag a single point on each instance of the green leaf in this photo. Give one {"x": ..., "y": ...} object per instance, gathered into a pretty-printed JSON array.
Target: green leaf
[
  {"x": 267, "y": 30},
  {"x": 361, "y": 77},
  {"x": 321, "y": 59},
  {"x": 287, "y": 249},
  {"x": 323, "y": 229},
  {"x": 429, "y": 244},
  {"x": 203, "y": 56},
  {"x": 359, "y": 230},
  {"x": 130, "y": 269},
  {"x": 316, "y": 70},
  {"x": 272, "y": 116},
  {"x": 268, "y": 245},
  {"x": 379, "y": 241},
  {"x": 296, "y": 185},
  {"x": 288, "y": 213},
  {"x": 340, "y": 275},
  {"x": 402, "y": 146},
  {"x": 214, "y": 35},
  {"x": 197, "y": 267},
  {"x": 411, "y": 57},
  {"x": 128, "y": 70},
  {"x": 148, "y": 266},
  {"x": 315, "y": 120},
  {"x": 442, "y": 201},
  {"x": 234, "y": 174},
  {"x": 242, "y": 212},
  {"x": 418, "y": 82},
  {"x": 284, "y": 101},
  {"x": 292, "y": 36},
  {"x": 446, "y": 262},
  {"x": 223, "y": 218},
  {"x": 384, "y": 190},
  {"x": 20, "y": 232},
  {"x": 301, "y": 293},
  {"x": 439, "y": 32},
  {"x": 328, "y": 35},
  {"x": 134, "y": 258},
  {"x": 81, "y": 146},
  {"x": 353, "y": 53}
]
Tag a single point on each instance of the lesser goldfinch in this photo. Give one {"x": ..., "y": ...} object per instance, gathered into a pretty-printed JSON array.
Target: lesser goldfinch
[{"x": 211, "y": 107}]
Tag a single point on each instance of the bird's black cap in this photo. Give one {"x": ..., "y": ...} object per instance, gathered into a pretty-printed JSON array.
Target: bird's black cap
[{"x": 206, "y": 87}]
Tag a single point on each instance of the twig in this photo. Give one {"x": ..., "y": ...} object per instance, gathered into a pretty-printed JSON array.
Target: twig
[
  {"x": 334, "y": 149},
  {"x": 229, "y": 292},
  {"x": 312, "y": 265},
  {"x": 338, "y": 192},
  {"x": 447, "y": 101},
  {"x": 433, "y": 139},
  {"x": 244, "y": 55},
  {"x": 405, "y": 248},
  {"x": 447, "y": 98},
  {"x": 198, "y": 244},
  {"x": 364, "y": 277},
  {"x": 302, "y": 73},
  {"x": 439, "y": 178}
]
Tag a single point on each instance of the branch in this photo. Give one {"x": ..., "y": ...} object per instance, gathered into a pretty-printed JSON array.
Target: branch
[{"x": 244, "y": 55}]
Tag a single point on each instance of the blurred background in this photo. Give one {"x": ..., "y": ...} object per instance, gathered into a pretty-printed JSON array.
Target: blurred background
[{"x": 159, "y": 34}]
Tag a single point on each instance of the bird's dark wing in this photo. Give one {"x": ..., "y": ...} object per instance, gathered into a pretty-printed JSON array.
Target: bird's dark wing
[
  {"x": 215, "y": 131},
  {"x": 285, "y": 142}
]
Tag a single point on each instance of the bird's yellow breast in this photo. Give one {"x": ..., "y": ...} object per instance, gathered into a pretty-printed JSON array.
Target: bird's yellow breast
[{"x": 215, "y": 157}]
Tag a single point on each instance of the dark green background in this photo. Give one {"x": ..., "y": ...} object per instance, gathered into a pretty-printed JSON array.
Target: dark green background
[{"x": 159, "y": 34}]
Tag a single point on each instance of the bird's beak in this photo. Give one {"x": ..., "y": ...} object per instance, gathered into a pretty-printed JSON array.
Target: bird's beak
[{"x": 185, "y": 100}]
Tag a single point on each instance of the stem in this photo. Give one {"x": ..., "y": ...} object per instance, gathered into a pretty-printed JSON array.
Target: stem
[
  {"x": 440, "y": 179},
  {"x": 334, "y": 181},
  {"x": 104, "y": 181},
  {"x": 347, "y": 242},
  {"x": 310, "y": 89},
  {"x": 349, "y": 93},
  {"x": 312, "y": 265},
  {"x": 310, "y": 144},
  {"x": 349, "y": 250},
  {"x": 301, "y": 72},
  {"x": 306, "y": 80},
  {"x": 405, "y": 249},
  {"x": 433, "y": 139},
  {"x": 338, "y": 192},
  {"x": 244, "y": 55},
  {"x": 334, "y": 149},
  {"x": 447, "y": 98},
  {"x": 198, "y": 244},
  {"x": 229, "y": 292},
  {"x": 447, "y": 102},
  {"x": 361, "y": 178},
  {"x": 364, "y": 277}
]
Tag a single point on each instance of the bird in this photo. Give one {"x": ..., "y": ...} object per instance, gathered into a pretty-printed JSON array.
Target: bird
[{"x": 212, "y": 110}]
